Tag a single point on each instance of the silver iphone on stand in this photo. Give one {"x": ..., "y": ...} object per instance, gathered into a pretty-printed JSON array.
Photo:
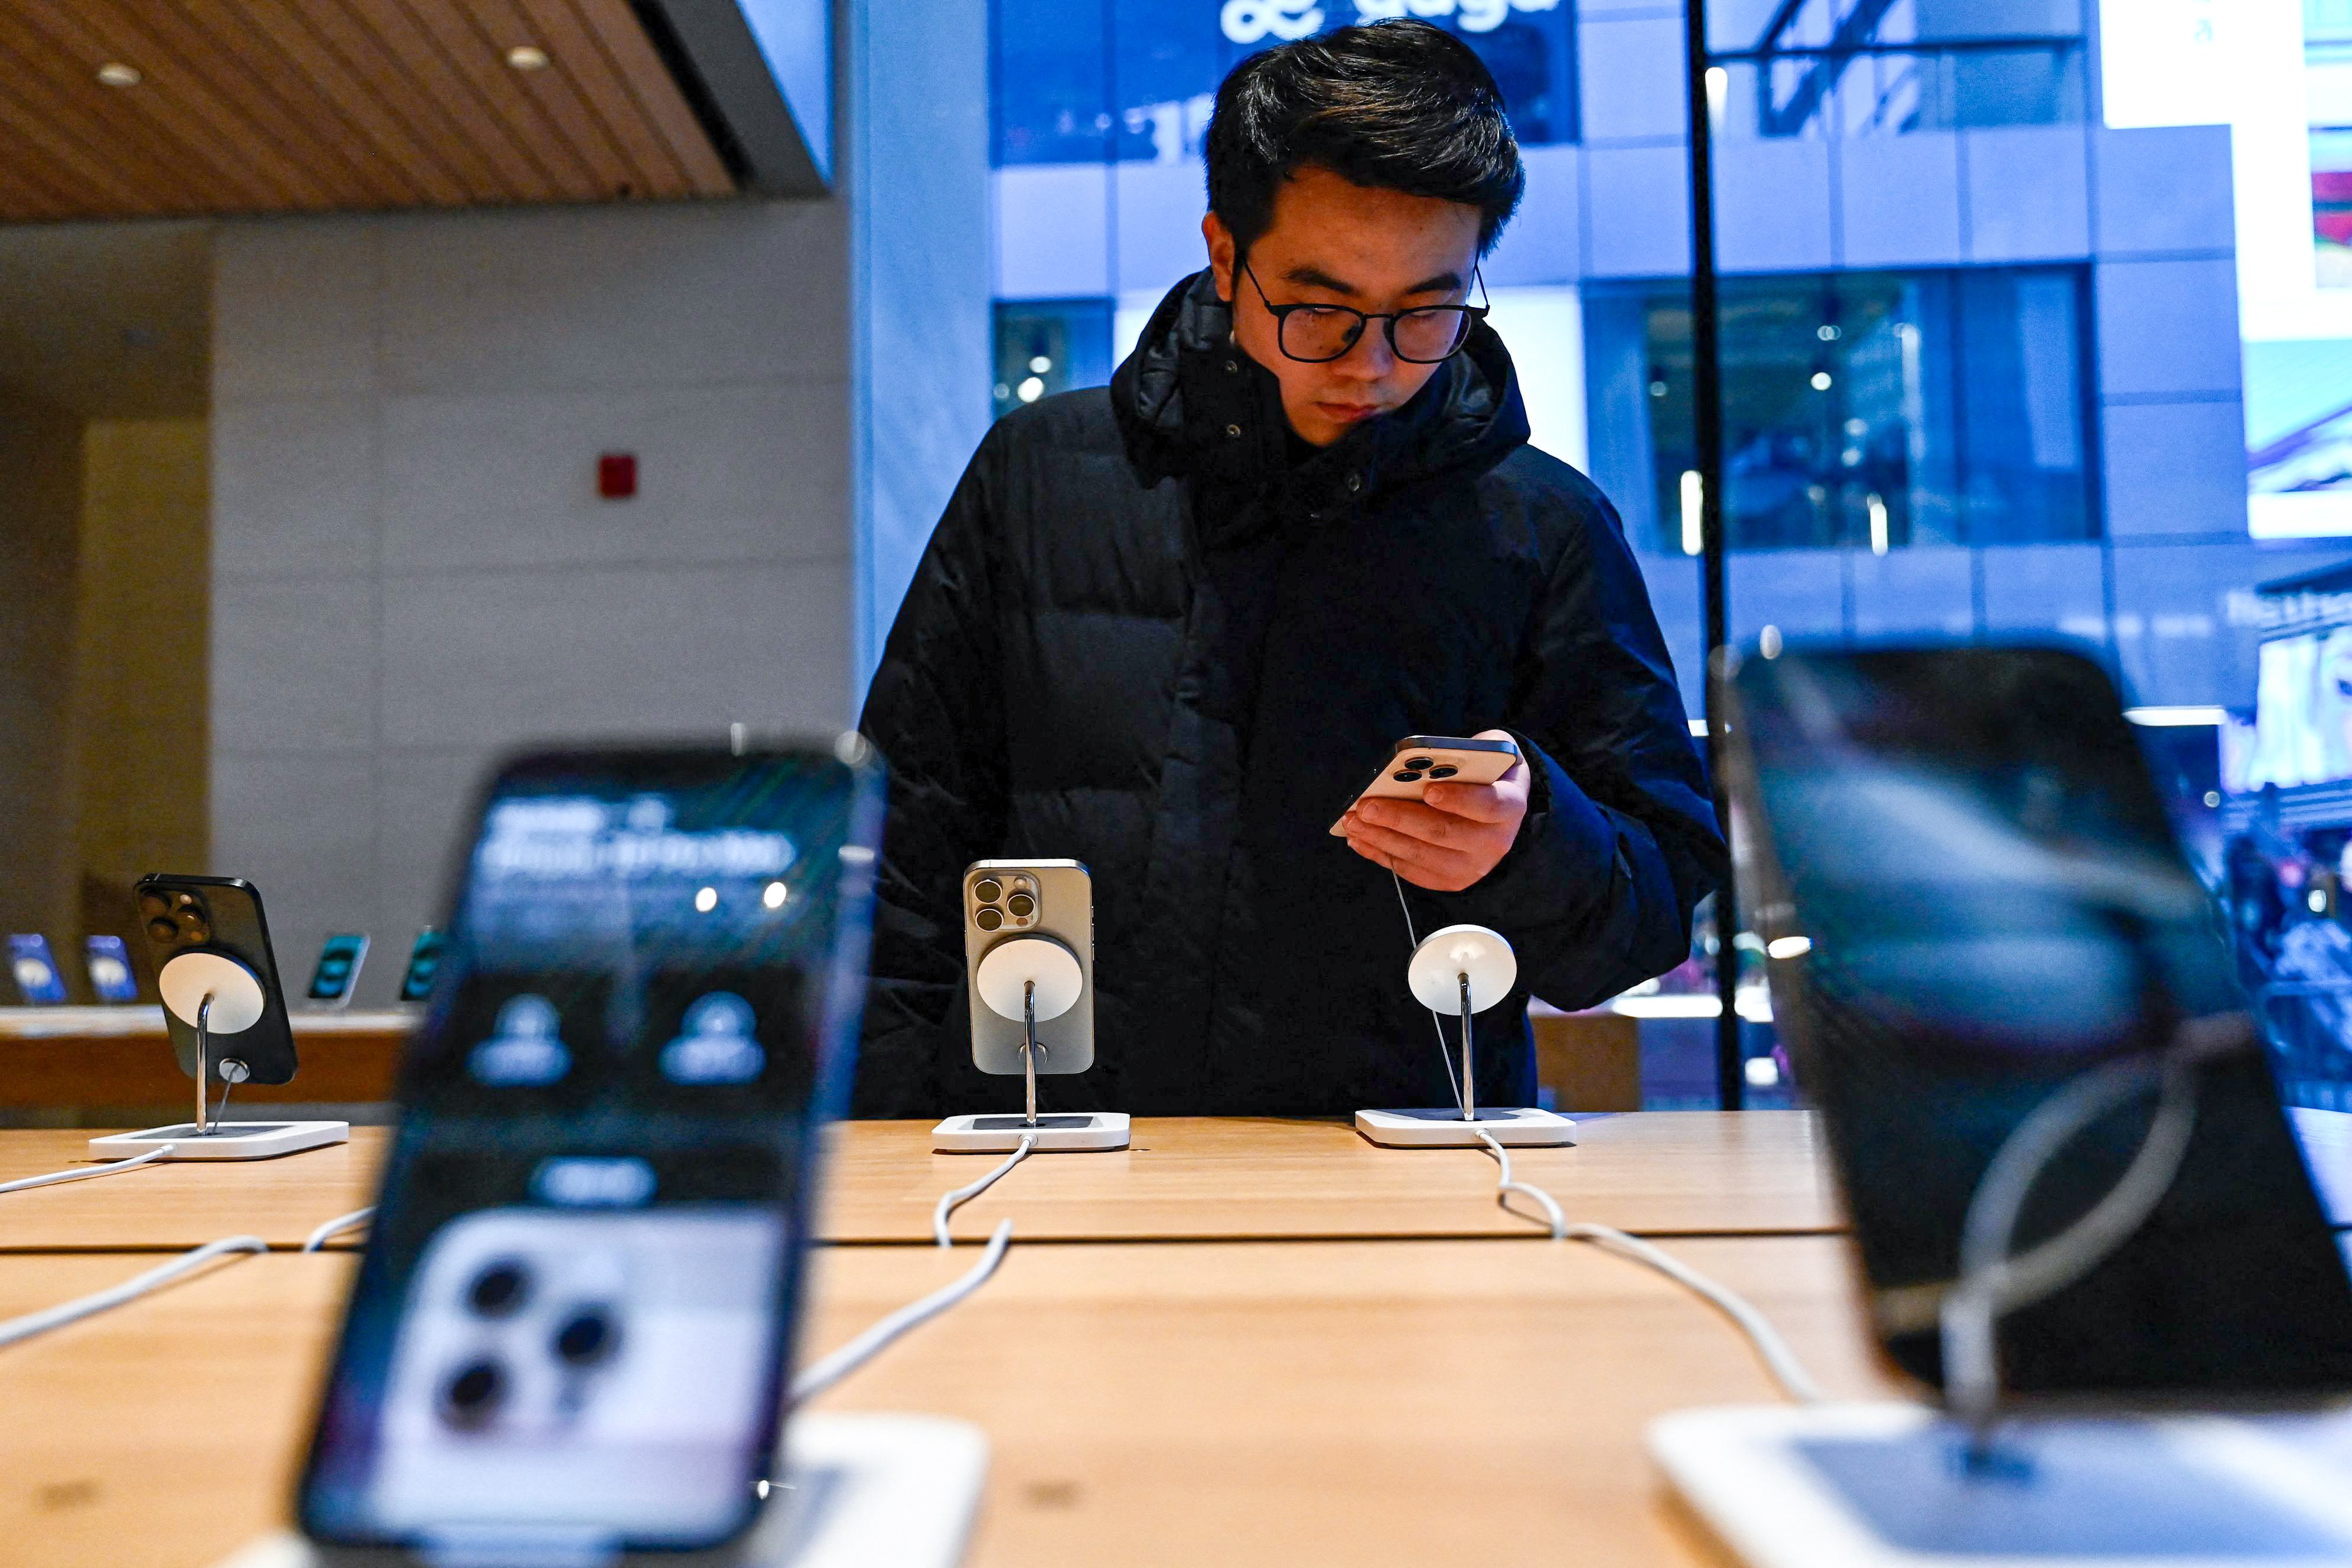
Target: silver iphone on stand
[{"x": 1009, "y": 899}]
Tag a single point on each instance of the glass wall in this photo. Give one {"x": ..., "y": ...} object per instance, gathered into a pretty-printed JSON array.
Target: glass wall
[
  {"x": 2036, "y": 322},
  {"x": 1862, "y": 67},
  {"x": 1096, "y": 81},
  {"x": 1868, "y": 410},
  {"x": 1046, "y": 346}
]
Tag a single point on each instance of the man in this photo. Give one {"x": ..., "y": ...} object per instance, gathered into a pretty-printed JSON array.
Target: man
[{"x": 1170, "y": 627}]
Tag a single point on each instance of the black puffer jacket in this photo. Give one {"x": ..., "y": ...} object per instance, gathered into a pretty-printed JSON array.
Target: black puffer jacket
[{"x": 1149, "y": 636}]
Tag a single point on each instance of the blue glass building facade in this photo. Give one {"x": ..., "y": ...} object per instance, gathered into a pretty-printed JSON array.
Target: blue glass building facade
[{"x": 1981, "y": 352}]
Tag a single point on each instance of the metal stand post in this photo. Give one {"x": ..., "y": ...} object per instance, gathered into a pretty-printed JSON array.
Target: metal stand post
[
  {"x": 1029, "y": 1047},
  {"x": 1469, "y": 1087},
  {"x": 203, "y": 1064}
]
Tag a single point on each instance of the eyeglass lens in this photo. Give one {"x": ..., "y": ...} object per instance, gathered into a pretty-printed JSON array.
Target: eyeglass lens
[{"x": 1422, "y": 336}]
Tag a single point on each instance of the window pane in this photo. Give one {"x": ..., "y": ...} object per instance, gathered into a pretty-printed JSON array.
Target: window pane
[
  {"x": 1051, "y": 78},
  {"x": 1046, "y": 346},
  {"x": 1864, "y": 410},
  {"x": 1850, "y": 69},
  {"x": 1133, "y": 81}
]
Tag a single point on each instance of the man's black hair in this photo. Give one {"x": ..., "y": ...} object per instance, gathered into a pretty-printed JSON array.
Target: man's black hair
[{"x": 1399, "y": 106}]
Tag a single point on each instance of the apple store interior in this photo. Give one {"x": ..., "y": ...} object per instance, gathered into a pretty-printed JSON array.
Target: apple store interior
[{"x": 935, "y": 783}]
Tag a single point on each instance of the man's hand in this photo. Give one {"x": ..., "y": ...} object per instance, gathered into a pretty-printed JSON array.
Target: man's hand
[{"x": 1461, "y": 833}]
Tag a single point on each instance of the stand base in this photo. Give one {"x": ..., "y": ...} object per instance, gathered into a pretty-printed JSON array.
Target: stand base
[
  {"x": 1001, "y": 1133},
  {"x": 226, "y": 1141},
  {"x": 1890, "y": 1486},
  {"x": 1515, "y": 1129},
  {"x": 859, "y": 1489}
]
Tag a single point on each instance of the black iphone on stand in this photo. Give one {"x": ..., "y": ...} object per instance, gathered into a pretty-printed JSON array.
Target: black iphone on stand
[{"x": 569, "y": 1335}]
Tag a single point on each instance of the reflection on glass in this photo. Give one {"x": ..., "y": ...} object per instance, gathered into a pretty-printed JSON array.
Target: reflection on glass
[
  {"x": 1867, "y": 408},
  {"x": 1878, "y": 67},
  {"x": 1127, "y": 81},
  {"x": 1047, "y": 346}
]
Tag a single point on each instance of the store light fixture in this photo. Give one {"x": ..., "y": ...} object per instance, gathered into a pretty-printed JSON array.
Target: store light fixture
[
  {"x": 774, "y": 894},
  {"x": 114, "y": 73},
  {"x": 1694, "y": 494},
  {"x": 1878, "y": 531},
  {"x": 1820, "y": 381},
  {"x": 527, "y": 57},
  {"x": 706, "y": 899}
]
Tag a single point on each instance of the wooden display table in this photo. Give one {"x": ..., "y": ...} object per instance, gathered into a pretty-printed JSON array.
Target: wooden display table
[
  {"x": 1656, "y": 1173},
  {"x": 1359, "y": 1402},
  {"x": 1661, "y": 1173}
]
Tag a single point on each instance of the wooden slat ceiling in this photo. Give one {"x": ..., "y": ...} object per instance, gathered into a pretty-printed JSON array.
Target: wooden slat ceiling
[{"x": 246, "y": 106}]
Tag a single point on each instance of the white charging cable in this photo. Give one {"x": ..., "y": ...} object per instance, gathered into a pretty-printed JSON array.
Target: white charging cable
[
  {"x": 951, "y": 1201},
  {"x": 1770, "y": 1348},
  {"x": 1445, "y": 1054},
  {"x": 1991, "y": 1282},
  {"x": 83, "y": 1173},
  {"x": 821, "y": 1375},
  {"x": 336, "y": 1227},
  {"x": 816, "y": 1379},
  {"x": 15, "y": 1329}
]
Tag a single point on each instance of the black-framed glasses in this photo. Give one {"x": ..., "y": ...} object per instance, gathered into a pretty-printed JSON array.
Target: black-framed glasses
[{"x": 1317, "y": 334}]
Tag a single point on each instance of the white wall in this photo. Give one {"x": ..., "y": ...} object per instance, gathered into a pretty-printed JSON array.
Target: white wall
[{"x": 412, "y": 571}]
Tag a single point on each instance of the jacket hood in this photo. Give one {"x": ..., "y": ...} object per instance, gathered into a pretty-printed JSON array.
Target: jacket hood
[{"x": 1190, "y": 403}]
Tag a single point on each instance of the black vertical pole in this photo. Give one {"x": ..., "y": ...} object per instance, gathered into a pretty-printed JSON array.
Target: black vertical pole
[{"x": 1706, "y": 411}]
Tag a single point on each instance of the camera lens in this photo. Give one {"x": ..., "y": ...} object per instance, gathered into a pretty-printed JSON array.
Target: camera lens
[
  {"x": 1405, "y": 776},
  {"x": 473, "y": 1396},
  {"x": 1444, "y": 772},
  {"x": 151, "y": 905},
  {"x": 587, "y": 1337},
  {"x": 499, "y": 1290},
  {"x": 988, "y": 890},
  {"x": 1418, "y": 763},
  {"x": 1021, "y": 906},
  {"x": 989, "y": 919},
  {"x": 163, "y": 930},
  {"x": 191, "y": 920}
]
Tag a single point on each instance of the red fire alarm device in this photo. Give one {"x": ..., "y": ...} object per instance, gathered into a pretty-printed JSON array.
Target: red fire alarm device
[{"x": 616, "y": 476}]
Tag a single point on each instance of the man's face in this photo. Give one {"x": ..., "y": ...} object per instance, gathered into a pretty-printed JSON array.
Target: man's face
[{"x": 1333, "y": 242}]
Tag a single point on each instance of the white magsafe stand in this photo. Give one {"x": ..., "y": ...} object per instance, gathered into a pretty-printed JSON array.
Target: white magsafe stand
[
  {"x": 1035, "y": 980},
  {"x": 216, "y": 995},
  {"x": 858, "y": 1491},
  {"x": 1470, "y": 968},
  {"x": 1888, "y": 1485}
]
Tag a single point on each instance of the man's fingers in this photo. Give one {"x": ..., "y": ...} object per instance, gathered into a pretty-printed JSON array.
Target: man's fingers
[
  {"x": 1406, "y": 850},
  {"x": 1435, "y": 881},
  {"x": 1424, "y": 823},
  {"x": 1478, "y": 802}
]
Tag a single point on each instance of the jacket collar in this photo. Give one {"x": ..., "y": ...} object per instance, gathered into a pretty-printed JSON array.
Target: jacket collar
[{"x": 1191, "y": 404}]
